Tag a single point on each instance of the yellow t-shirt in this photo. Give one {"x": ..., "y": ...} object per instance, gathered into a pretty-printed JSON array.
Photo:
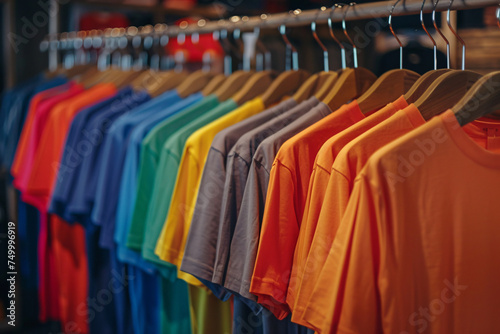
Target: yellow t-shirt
[{"x": 170, "y": 245}]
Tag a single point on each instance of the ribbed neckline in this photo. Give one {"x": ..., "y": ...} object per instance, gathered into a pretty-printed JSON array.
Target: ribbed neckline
[{"x": 466, "y": 144}]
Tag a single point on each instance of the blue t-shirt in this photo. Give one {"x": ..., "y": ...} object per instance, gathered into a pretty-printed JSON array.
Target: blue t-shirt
[
  {"x": 76, "y": 148},
  {"x": 111, "y": 163},
  {"x": 128, "y": 185},
  {"x": 80, "y": 203}
]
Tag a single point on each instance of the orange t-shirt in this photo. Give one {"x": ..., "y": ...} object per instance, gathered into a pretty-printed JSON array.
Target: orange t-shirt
[
  {"x": 65, "y": 242},
  {"x": 315, "y": 195},
  {"x": 348, "y": 163},
  {"x": 415, "y": 251},
  {"x": 286, "y": 194},
  {"x": 24, "y": 138},
  {"x": 48, "y": 155}
]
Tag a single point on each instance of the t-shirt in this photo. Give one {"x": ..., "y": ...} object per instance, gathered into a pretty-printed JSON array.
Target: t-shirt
[
  {"x": 238, "y": 165},
  {"x": 21, "y": 169},
  {"x": 14, "y": 105},
  {"x": 82, "y": 198},
  {"x": 347, "y": 165},
  {"x": 414, "y": 250},
  {"x": 199, "y": 253},
  {"x": 28, "y": 128},
  {"x": 23, "y": 161},
  {"x": 48, "y": 155},
  {"x": 170, "y": 246},
  {"x": 284, "y": 206},
  {"x": 77, "y": 146},
  {"x": 13, "y": 124},
  {"x": 66, "y": 244},
  {"x": 111, "y": 164},
  {"x": 128, "y": 184},
  {"x": 247, "y": 229},
  {"x": 316, "y": 193},
  {"x": 166, "y": 174},
  {"x": 151, "y": 148}
]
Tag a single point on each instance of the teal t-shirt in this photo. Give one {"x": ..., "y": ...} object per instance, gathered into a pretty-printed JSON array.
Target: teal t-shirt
[
  {"x": 166, "y": 175},
  {"x": 150, "y": 155}
]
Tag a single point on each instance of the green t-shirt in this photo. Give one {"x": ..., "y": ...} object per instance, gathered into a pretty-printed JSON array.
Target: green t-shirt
[
  {"x": 150, "y": 155},
  {"x": 166, "y": 175}
]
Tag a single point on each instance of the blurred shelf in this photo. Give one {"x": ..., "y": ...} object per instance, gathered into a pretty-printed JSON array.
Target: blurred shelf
[
  {"x": 483, "y": 48},
  {"x": 210, "y": 12}
]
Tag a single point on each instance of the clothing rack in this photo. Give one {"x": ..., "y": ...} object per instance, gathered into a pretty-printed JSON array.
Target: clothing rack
[{"x": 293, "y": 18}]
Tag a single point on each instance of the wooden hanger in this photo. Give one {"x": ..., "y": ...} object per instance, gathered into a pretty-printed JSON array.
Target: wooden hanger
[
  {"x": 445, "y": 92},
  {"x": 307, "y": 89},
  {"x": 256, "y": 85},
  {"x": 422, "y": 83},
  {"x": 215, "y": 83},
  {"x": 389, "y": 87},
  {"x": 286, "y": 83},
  {"x": 232, "y": 84},
  {"x": 126, "y": 78},
  {"x": 195, "y": 82},
  {"x": 352, "y": 83},
  {"x": 289, "y": 81},
  {"x": 172, "y": 80},
  {"x": 483, "y": 99},
  {"x": 325, "y": 80},
  {"x": 325, "y": 83},
  {"x": 101, "y": 76}
]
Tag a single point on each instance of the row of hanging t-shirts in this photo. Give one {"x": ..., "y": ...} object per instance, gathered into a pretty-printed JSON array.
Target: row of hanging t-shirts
[{"x": 167, "y": 212}]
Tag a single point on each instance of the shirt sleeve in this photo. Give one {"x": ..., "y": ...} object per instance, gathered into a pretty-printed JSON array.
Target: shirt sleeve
[
  {"x": 346, "y": 297},
  {"x": 327, "y": 222},
  {"x": 170, "y": 246},
  {"x": 199, "y": 253},
  {"x": 278, "y": 238},
  {"x": 245, "y": 240},
  {"x": 146, "y": 180}
]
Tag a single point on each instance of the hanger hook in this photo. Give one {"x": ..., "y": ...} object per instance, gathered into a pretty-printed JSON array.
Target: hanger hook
[
  {"x": 396, "y": 36},
  {"x": 295, "y": 60},
  {"x": 354, "y": 49},
  {"x": 464, "y": 47},
  {"x": 228, "y": 61},
  {"x": 315, "y": 35},
  {"x": 330, "y": 28},
  {"x": 498, "y": 16},
  {"x": 427, "y": 32},
  {"x": 260, "y": 44},
  {"x": 441, "y": 34}
]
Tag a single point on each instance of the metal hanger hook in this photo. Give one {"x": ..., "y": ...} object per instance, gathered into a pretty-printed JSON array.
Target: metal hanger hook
[
  {"x": 315, "y": 35},
  {"x": 498, "y": 16},
  {"x": 453, "y": 31},
  {"x": 428, "y": 34},
  {"x": 260, "y": 44},
  {"x": 330, "y": 28},
  {"x": 396, "y": 36},
  {"x": 295, "y": 62},
  {"x": 354, "y": 49},
  {"x": 441, "y": 34}
]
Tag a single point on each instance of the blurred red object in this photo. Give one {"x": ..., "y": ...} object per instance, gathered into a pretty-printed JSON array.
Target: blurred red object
[
  {"x": 179, "y": 4},
  {"x": 103, "y": 20},
  {"x": 193, "y": 52}
]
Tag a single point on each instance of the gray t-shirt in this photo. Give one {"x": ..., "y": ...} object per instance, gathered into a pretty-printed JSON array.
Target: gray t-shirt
[
  {"x": 199, "y": 253},
  {"x": 245, "y": 241},
  {"x": 237, "y": 166}
]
